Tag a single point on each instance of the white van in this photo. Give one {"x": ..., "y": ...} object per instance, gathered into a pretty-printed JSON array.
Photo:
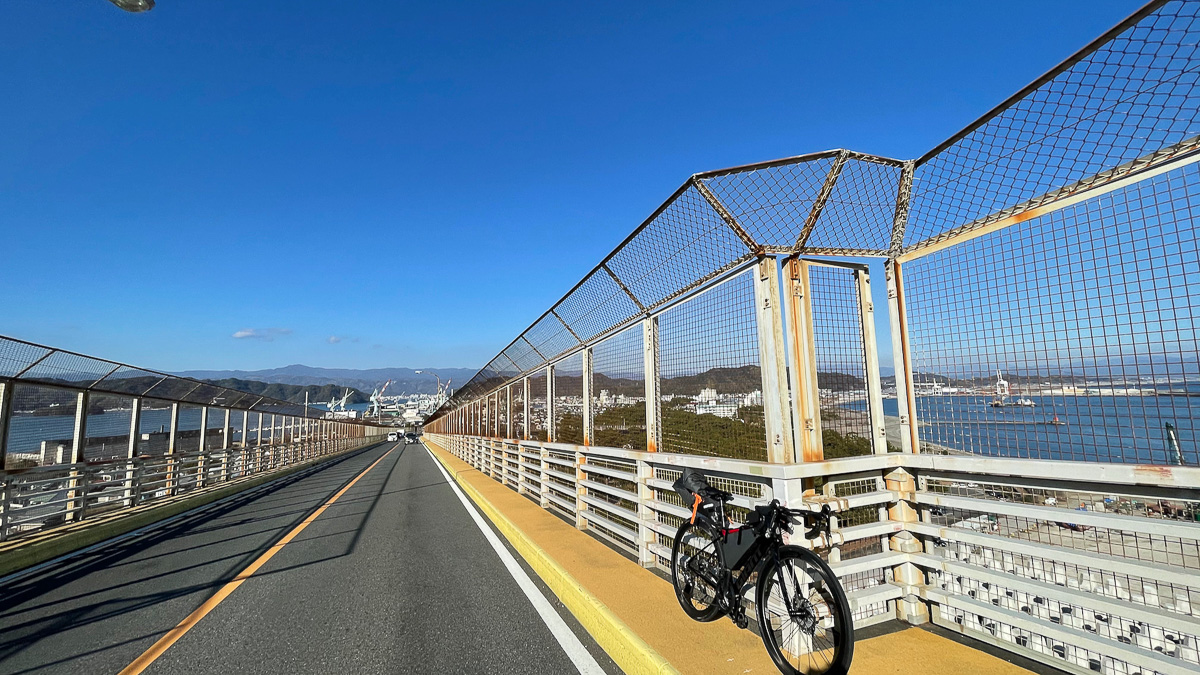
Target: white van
[{"x": 393, "y": 436}]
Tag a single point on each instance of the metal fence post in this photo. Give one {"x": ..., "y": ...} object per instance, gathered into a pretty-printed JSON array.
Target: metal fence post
[
  {"x": 776, "y": 412},
  {"x": 226, "y": 445},
  {"x": 902, "y": 359},
  {"x": 587, "y": 396},
  {"x": 202, "y": 460},
  {"x": 650, "y": 361},
  {"x": 77, "y": 492},
  {"x": 866, "y": 307},
  {"x": 258, "y": 445},
  {"x": 508, "y": 417},
  {"x": 551, "y": 404},
  {"x": 6, "y": 403},
  {"x": 172, "y": 437},
  {"x": 135, "y": 427},
  {"x": 525, "y": 402},
  {"x": 805, "y": 410}
]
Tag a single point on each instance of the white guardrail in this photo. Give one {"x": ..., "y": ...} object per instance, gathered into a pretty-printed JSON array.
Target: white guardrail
[
  {"x": 40, "y": 498},
  {"x": 1088, "y": 567}
]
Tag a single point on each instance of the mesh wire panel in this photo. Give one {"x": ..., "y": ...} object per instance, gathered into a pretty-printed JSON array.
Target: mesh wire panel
[
  {"x": 523, "y": 355},
  {"x": 1133, "y": 95},
  {"x": 568, "y": 399},
  {"x": 710, "y": 374},
  {"x": 550, "y": 337},
  {"x": 1070, "y": 336},
  {"x": 16, "y": 356},
  {"x": 537, "y": 405},
  {"x": 686, "y": 243},
  {"x": 773, "y": 203},
  {"x": 42, "y": 426},
  {"x": 69, "y": 369},
  {"x": 861, "y": 209},
  {"x": 597, "y": 306},
  {"x": 517, "y": 390},
  {"x": 841, "y": 365},
  {"x": 619, "y": 391},
  {"x": 107, "y": 429}
]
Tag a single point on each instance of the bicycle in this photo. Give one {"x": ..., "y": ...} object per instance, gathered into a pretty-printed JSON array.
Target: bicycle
[{"x": 802, "y": 611}]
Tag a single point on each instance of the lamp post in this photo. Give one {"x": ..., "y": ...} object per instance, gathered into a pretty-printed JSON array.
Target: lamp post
[{"x": 439, "y": 381}]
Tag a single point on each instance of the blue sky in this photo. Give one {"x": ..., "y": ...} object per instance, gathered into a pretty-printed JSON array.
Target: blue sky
[{"x": 375, "y": 184}]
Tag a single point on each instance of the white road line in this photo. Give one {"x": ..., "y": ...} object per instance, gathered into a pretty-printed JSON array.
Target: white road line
[{"x": 579, "y": 655}]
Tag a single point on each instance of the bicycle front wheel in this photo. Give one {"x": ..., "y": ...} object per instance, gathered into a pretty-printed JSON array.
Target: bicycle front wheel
[
  {"x": 803, "y": 615},
  {"x": 694, "y": 570}
]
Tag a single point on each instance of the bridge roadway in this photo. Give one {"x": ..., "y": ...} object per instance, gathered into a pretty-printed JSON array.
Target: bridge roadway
[{"x": 396, "y": 575}]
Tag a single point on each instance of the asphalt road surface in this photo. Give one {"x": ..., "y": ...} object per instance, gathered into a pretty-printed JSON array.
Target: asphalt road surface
[{"x": 395, "y": 576}]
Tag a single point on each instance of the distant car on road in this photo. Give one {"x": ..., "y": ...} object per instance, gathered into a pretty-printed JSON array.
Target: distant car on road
[
  {"x": 393, "y": 436},
  {"x": 410, "y": 438}
]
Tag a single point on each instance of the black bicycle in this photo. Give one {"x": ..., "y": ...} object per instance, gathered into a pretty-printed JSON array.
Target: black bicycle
[{"x": 802, "y": 611}]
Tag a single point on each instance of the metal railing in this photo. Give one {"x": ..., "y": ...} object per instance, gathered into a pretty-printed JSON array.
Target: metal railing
[
  {"x": 1025, "y": 470},
  {"x": 81, "y": 436}
]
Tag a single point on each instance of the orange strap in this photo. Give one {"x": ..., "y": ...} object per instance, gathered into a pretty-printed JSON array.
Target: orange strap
[{"x": 695, "y": 505}]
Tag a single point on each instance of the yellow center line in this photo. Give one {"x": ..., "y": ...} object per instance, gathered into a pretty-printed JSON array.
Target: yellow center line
[{"x": 156, "y": 650}]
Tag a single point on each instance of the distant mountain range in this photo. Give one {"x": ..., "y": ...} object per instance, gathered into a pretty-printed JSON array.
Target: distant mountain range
[{"x": 404, "y": 380}]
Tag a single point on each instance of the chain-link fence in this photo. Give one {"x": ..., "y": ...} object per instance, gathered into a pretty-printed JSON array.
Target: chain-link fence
[{"x": 1043, "y": 282}]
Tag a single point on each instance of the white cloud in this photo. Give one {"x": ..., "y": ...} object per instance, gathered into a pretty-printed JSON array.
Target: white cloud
[
  {"x": 267, "y": 334},
  {"x": 333, "y": 339}
]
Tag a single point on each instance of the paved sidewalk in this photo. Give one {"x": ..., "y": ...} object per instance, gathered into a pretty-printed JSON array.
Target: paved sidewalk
[{"x": 646, "y": 604}]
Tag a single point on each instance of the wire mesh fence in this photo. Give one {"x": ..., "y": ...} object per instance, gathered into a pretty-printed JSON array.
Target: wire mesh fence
[
  {"x": 1046, "y": 306},
  {"x": 711, "y": 375},
  {"x": 568, "y": 399},
  {"x": 840, "y": 361},
  {"x": 619, "y": 391}
]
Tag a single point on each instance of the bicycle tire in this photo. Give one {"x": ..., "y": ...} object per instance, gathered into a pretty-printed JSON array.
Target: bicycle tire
[
  {"x": 832, "y": 653},
  {"x": 685, "y": 588}
]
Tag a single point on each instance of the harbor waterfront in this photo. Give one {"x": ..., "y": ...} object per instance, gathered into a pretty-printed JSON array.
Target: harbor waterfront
[{"x": 1126, "y": 429}]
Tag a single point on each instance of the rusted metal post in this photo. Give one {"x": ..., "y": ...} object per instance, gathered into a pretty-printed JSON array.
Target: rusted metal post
[
  {"x": 805, "y": 410},
  {"x": 780, "y": 446}
]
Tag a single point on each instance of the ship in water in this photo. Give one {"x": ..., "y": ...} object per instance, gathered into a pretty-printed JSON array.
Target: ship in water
[{"x": 1003, "y": 397}]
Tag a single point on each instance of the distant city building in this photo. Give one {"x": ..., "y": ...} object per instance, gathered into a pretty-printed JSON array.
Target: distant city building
[
  {"x": 707, "y": 396},
  {"x": 719, "y": 409},
  {"x": 753, "y": 398}
]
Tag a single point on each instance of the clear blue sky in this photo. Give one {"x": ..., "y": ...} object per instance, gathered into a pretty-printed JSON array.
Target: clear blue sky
[{"x": 367, "y": 184}]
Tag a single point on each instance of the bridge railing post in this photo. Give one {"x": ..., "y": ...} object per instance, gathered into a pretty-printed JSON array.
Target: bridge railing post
[
  {"x": 131, "y": 452},
  {"x": 172, "y": 440},
  {"x": 202, "y": 460},
  {"x": 226, "y": 446},
  {"x": 77, "y": 482}
]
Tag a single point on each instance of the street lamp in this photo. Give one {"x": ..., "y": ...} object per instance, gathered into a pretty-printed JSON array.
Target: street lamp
[
  {"x": 439, "y": 381},
  {"x": 134, "y": 5}
]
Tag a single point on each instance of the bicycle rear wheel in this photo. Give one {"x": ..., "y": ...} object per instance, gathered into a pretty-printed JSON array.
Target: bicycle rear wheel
[
  {"x": 694, "y": 569},
  {"x": 803, "y": 615}
]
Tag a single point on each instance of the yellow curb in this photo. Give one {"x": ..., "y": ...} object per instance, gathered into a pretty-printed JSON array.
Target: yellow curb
[{"x": 629, "y": 651}]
